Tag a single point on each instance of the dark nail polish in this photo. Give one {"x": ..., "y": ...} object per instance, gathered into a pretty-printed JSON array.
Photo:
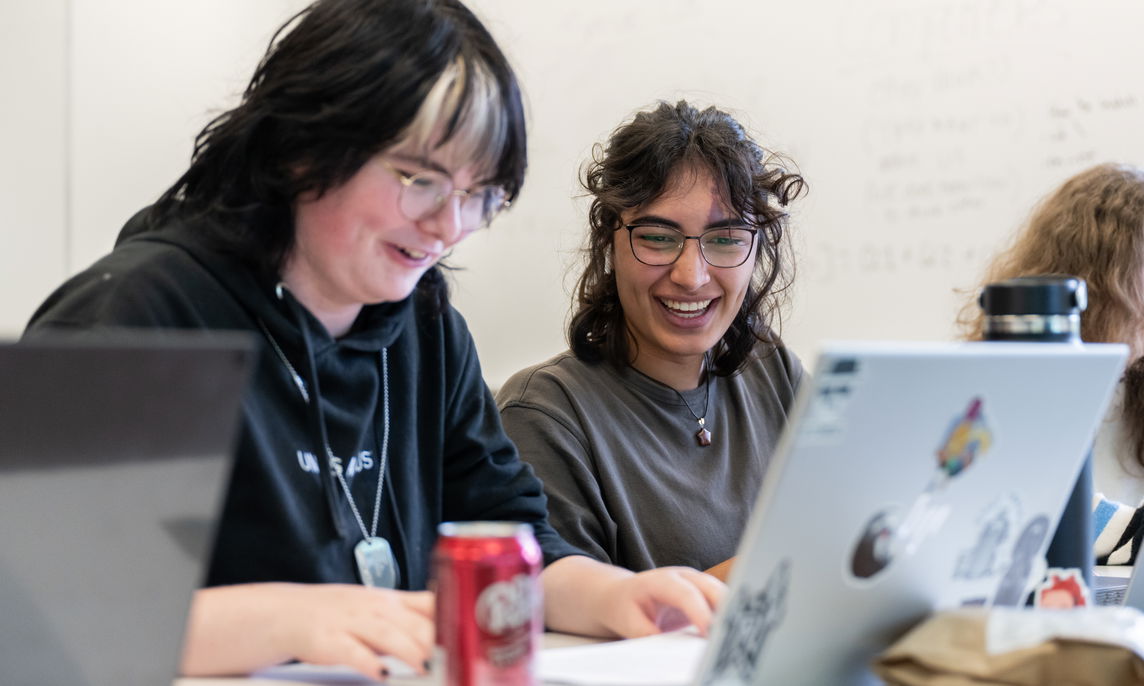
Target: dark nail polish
[
  {"x": 384, "y": 673},
  {"x": 426, "y": 666}
]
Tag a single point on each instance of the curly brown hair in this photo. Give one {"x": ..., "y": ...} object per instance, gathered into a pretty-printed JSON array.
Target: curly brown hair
[
  {"x": 1092, "y": 227},
  {"x": 635, "y": 168}
]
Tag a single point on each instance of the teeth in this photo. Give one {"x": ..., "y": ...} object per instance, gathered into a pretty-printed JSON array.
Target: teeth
[
  {"x": 415, "y": 254},
  {"x": 686, "y": 308}
]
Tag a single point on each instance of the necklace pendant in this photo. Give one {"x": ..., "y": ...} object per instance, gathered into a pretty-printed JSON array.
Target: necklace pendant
[
  {"x": 376, "y": 564},
  {"x": 703, "y": 437}
]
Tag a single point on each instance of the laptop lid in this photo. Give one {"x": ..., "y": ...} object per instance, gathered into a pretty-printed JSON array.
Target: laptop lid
[
  {"x": 910, "y": 477},
  {"x": 114, "y": 456}
]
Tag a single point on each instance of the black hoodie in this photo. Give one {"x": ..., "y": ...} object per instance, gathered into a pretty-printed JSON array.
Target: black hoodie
[{"x": 285, "y": 518}]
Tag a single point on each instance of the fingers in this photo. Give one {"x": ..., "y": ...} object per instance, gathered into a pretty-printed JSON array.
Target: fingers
[
  {"x": 356, "y": 655},
  {"x": 667, "y": 598},
  {"x": 699, "y": 606},
  {"x": 355, "y": 625},
  {"x": 421, "y": 602},
  {"x": 636, "y": 623},
  {"x": 714, "y": 590},
  {"x": 691, "y": 593},
  {"x": 396, "y": 642},
  {"x": 400, "y": 624}
]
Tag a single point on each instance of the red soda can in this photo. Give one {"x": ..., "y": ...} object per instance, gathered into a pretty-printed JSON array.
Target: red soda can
[{"x": 489, "y": 606}]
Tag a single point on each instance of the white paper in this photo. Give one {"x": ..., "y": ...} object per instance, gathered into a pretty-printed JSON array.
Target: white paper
[
  {"x": 1011, "y": 629},
  {"x": 670, "y": 659}
]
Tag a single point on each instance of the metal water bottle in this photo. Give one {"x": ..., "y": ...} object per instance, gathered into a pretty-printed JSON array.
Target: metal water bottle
[{"x": 1047, "y": 308}]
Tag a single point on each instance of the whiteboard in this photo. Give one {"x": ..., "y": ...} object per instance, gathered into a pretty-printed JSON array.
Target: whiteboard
[{"x": 925, "y": 129}]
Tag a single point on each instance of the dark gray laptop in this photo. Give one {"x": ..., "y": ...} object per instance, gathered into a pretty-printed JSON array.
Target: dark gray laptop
[{"x": 114, "y": 456}]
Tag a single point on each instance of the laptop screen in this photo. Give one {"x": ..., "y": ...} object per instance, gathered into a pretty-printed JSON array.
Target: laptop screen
[{"x": 114, "y": 457}]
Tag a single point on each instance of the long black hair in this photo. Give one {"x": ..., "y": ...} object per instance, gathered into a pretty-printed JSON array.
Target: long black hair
[
  {"x": 341, "y": 81},
  {"x": 635, "y": 168}
]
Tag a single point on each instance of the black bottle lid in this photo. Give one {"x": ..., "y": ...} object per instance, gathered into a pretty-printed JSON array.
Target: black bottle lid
[{"x": 1045, "y": 294}]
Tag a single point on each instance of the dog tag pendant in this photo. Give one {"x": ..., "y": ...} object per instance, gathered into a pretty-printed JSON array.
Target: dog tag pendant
[{"x": 376, "y": 563}]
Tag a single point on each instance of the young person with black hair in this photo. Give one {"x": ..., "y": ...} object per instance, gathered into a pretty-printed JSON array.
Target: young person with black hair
[
  {"x": 373, "y": 137},
  {"x": 653, "y": 433}
]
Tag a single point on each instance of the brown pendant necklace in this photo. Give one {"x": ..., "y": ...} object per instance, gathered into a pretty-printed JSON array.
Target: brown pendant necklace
[{"x": 702, "y": 436}]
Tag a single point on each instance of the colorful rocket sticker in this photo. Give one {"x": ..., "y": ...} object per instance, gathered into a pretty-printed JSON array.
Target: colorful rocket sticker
[{"x": 967, "y": 438}]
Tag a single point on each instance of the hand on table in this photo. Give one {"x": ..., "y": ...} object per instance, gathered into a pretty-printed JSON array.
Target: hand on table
[
  {"x": 239, "y": 629},
  {"x": 588, "y": 597}
]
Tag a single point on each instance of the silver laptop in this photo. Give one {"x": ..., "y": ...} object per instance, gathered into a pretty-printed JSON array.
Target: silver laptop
[
  {"x": 911, "y": 477},
  {"x": 1112, "y": 588},
  {"x": 1120, "y": 586},
  {"x": 114, "y": 456}
]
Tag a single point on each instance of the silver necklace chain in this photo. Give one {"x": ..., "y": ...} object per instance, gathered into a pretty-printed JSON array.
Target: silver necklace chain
[{"x": 338, "y": 470}]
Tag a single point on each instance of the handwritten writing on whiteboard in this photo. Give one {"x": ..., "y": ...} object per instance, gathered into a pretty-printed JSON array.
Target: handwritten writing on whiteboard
[
  {"x": 826, "y": 262},
  {"x": 961, "y": 115},
  {"x": 1077, "y": 130}
]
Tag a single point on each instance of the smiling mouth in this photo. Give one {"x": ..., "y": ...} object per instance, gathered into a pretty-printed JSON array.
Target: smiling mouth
[
  {"x": 686, "y": 310},
  {"x": 412, "y": 254}
]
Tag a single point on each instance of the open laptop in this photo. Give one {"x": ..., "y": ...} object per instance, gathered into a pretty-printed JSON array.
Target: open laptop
[
  {"x": 910, "y": 477},
  {"x": 114, "y": 456},
  {"x": 1110, "y": 585}
]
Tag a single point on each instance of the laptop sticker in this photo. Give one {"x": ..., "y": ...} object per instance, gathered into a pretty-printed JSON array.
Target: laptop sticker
[
  {"x": 886, "y": 537},
  {"x": 875, "y": 548},
  {"x": 967, "y": 438},
  {"x": 750, "y": 618},
  {"x": 1062, "y": 589},
  {"x": 825, "y": 420},
  {"x": 988, "y": 555},
  {"x": 1023, "y": 562}
]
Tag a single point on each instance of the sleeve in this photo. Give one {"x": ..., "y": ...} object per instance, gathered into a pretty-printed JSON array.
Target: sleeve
[
  {"x": 484, "y": 477},
  {"x": 122, "y": 290},
  {"x": 1118, "y": 529},
  {"x": 563, "y": 461}
]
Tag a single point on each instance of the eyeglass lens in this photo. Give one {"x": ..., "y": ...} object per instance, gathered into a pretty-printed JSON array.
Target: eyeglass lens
[
  {"x": 426, "y": 192},
  {"x": 661, "y": 245}
]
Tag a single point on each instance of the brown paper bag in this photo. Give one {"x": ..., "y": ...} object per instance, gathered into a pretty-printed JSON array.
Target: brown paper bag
[{"x": 1019, "y": 646}]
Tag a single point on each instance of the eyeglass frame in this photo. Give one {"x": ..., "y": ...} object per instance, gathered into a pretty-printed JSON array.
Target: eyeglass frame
[
  {"x": 406, "y": 180},
  {"x": 754, "y": 231}
]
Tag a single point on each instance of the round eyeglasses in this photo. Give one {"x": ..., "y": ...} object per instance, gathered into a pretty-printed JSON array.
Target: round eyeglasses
[
  {"x": 424, "y": 194},
  {"x": 658, "y": 246}
]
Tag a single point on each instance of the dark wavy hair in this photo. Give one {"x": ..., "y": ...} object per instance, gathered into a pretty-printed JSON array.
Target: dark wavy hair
[
  {"x": 341, "y": 81},
  {"x": 640, "y": 160}
]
